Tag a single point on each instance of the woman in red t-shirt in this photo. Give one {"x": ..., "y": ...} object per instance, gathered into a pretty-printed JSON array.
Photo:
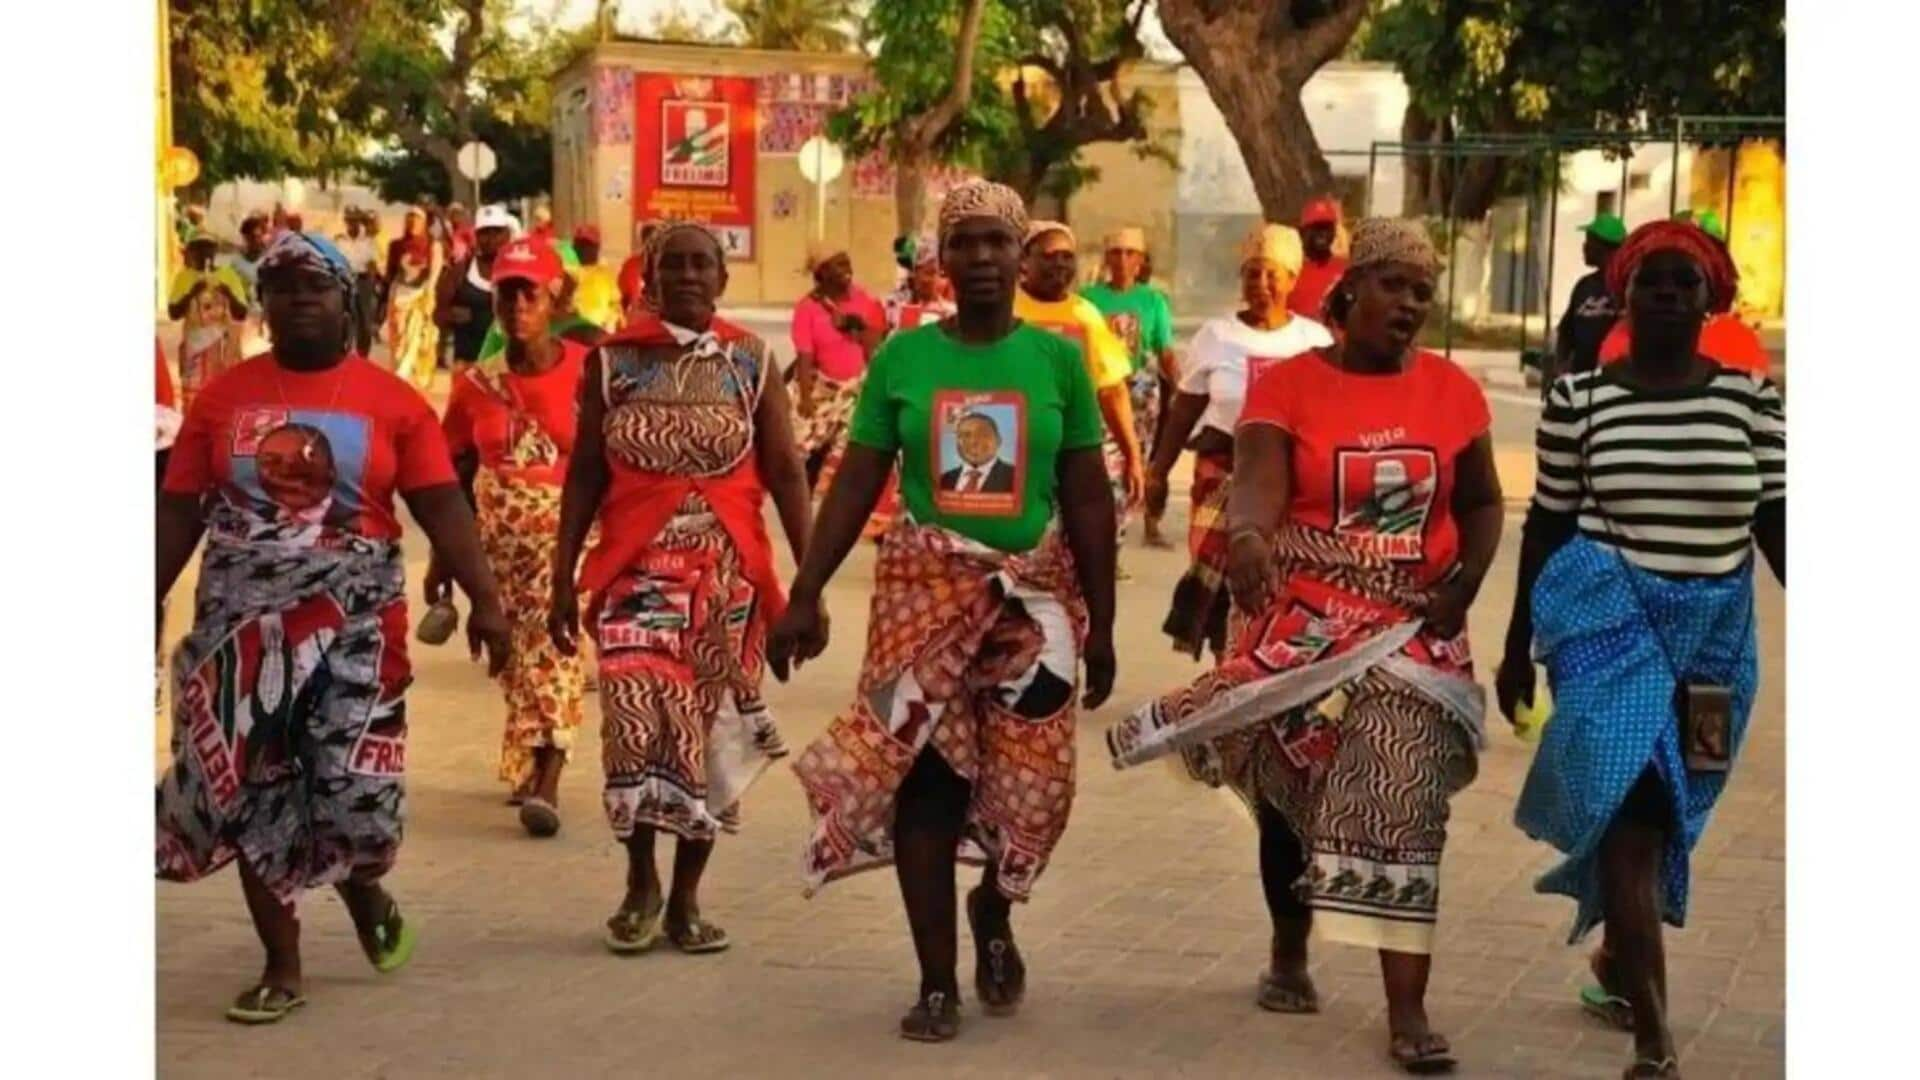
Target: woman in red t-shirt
[
  {"x": 289, "y": 714},
  {"x": 510, "y": 426},
  {"x": 1363, "y": 512}
]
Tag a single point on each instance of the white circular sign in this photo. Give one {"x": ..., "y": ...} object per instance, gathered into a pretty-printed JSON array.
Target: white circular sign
[
  {"x": 477, "y": 161},
  {"x": 820, "y": 160}
]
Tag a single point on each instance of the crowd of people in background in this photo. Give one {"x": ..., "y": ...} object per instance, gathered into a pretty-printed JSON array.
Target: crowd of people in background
[{"x": 610, "y": 443}]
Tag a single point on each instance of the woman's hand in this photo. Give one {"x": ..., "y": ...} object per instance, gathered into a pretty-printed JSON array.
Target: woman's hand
[
  {"x": 488, "y": 630},
  {"x": 1136, "y": 482},
  {"x": 438, "y": 584},
  {"x": 800, "y": 635},
  {"x": 1100, "y": 664},
  {"x": 1446, "y": 614},
  {"x": 1156, "y": 493},
  {"x": 563, "y": 616},
  {"x": 1514, "y": 684},
  {"x": 1249, "y": 569}
]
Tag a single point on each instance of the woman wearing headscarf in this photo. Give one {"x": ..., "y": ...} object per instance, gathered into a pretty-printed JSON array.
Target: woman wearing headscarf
[
  {"x": 988, "y": 596},
  {"x": 836, "y": 328},
  {"x": 1362, "y": 515},
  {"x": 925, "y": 296},
  {"x": 1657, "y": 478},
  {"x": 414, "y": 261},
  {"x": 211, "y": 302},
  {"x": 510, "y": 426},
  {"x": 1222, "y": 359},
  {"x": 289, "y": 707},
  {"x": 682, "y": 436}
]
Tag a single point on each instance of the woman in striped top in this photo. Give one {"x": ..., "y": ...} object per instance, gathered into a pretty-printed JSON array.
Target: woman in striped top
[{"x": 1657, "y": 477}]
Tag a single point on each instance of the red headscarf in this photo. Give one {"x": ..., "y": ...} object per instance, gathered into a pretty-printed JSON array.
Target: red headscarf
[{"x": 1687, "y": 239}]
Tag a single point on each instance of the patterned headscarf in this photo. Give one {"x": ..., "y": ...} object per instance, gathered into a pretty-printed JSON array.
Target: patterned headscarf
[
  {"x": 982, "y": 198},
  {"x": 1277, "y": 244},
  {"x": 670, "y": 229},
  {"x": 308, "y": 251},
  {"x": 1377, "y": 241},
  {"x": 1723, "y": 279}
]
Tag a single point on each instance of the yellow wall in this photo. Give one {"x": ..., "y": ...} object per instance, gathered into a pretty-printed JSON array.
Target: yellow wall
[
  {"x": 1132, "y": 190},
  {"x": 1757, "y": 226}
]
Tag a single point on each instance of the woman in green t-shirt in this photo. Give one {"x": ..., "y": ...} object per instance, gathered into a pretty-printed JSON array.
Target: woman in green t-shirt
[{"x": 960, "y": 742}]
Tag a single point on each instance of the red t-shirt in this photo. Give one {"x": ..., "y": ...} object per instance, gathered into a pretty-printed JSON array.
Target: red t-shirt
[
  {"x": 326, "y": 449},
  {"x": 1374, "y": 455},
  {"x": 1310, "y": 288},
  {"x": 480, "y": 419},
  {"x": 1724, "y": 339}
]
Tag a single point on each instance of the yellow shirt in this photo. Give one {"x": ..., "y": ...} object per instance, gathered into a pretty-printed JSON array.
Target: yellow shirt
[
  {"x": 1076, "y": 319},
  {"x": 597, "y": 297}
]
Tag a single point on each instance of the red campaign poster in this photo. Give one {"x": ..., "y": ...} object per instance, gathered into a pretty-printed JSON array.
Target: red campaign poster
[{"x": 694, "y": 152}]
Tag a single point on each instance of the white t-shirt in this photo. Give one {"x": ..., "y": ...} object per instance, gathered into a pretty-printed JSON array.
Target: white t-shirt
[{"x": 1216, "y": 361}]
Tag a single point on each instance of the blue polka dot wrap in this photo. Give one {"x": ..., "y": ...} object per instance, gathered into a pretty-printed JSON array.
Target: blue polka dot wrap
[{"x": 1595, "y": 617}]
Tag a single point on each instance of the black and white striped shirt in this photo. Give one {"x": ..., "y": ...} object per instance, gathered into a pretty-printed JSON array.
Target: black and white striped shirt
[{"x": 1678, "y": 473}]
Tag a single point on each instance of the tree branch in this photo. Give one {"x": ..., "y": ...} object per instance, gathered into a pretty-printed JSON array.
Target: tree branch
[
  {"x": 922, "y": 133},
  {"x": 1325, "y": 38}
]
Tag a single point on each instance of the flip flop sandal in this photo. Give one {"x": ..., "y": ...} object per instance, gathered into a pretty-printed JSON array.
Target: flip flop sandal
[
  {"x": 264, "y": 1005},
  {"x": 393, "y": 948},
  {"x": 699, "y": 937},
  {"x": 1615, "y": 1012},
  {"x": 1287, "y": 996},
  {"x": 631, "y": 932},
  {"x": 539, "y": 817},
  {"x": 1424, "y": 1055},
  {"x": 934, "y": 1018},
  {"x": 1663, "y": 1069},
  {"x": 999, "y": 975}
]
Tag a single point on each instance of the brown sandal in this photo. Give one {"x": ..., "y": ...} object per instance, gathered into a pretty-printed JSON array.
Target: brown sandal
[
  {"x": 1287, "y": 993},
  {"x": 934, "y": 1018},
  {"x": 999, "y": 975},
  {"x": 1421, "y": 1055}
]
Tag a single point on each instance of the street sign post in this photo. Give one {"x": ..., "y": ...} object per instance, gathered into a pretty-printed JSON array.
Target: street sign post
[
  {"x": 821, "y": 163},
  {"x": 477, "y": 161}
]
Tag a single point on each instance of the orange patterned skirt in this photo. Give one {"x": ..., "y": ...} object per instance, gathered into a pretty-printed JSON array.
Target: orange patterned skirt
[{"x": 545, "y": 690}]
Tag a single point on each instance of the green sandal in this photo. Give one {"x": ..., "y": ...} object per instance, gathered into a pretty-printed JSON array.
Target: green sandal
[
  {"x": 392, "y": 948},
  {"x": 1599, "y": 1001},
  {"x": 264, "y": 1005}
]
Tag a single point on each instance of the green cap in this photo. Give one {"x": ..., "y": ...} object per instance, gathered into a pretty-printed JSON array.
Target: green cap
[
  {"x": 569, "y": 258},
  {"x": 1607, "y": 227},
  {"x": 1711, "y": 224}
]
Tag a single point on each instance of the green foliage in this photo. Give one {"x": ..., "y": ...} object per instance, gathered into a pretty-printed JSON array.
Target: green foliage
[
  {"x": 912, "y": 44},
  {"x": 802, "y": 25},
  {"x": 1539, "y": 65}
]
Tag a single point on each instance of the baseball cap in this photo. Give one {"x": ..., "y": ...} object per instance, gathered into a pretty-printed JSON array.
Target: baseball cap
[
  {"x": 587, "y": 234},
  {"x": 495, "y": 216},
  {"x": 1607, "y": 227},
  {"x": 1710, "y": 223},
  {"x": 1320, "y": 212},
  {"x": 527, "y": 260}
]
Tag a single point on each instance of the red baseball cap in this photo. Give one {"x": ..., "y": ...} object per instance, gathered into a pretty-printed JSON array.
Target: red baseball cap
[
  {"x": 527, "y": 260},
  {"x": 587, "y": 234},
  {"x": 1320, "y": 212}
]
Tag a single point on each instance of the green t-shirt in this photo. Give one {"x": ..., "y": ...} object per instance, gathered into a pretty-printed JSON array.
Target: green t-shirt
[
  {"x": 1140, "y": 316},
  {"x": 979, "y": 428}
]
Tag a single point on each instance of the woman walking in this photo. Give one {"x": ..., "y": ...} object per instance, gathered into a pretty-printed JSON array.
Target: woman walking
[
  {"x": 510, "y": 426},
  {"x": 290, "y": 719},
  {"x": 414, "y": 262},
  {"x": 1657, "y": 478},
  {"x": 211, "y": 302},
  {"x": 836, "y": 328},
  {"x": 959, "y": 743},
  {"x": 681, "y": 438},
  {"x": 1362, "y": 515},
  {"x": 1223, "y": 358}
]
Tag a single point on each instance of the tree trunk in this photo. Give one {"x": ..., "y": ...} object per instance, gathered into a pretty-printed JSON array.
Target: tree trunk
[
  {"x": 909, "y": 191},
  {"x": 1254, "y": 58}
]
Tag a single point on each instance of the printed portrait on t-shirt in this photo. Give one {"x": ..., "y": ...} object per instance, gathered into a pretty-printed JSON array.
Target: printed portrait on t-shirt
[
  {"x": 1126, "y": 327},
  {"x": 1383, "y": 498},
  {"x": 980, "y": 459},
  {"x": 301, "y": 467}
]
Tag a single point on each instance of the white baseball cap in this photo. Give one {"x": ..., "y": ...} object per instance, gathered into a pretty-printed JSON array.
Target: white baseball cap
[{"x": 495, "y": 216}]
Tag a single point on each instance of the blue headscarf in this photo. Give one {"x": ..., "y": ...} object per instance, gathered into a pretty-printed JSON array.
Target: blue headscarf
[{"x": 308, "y": 251}]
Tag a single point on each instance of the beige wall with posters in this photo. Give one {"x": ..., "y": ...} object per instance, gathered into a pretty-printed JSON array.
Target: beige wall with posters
[{"x": 593, "y": 178}]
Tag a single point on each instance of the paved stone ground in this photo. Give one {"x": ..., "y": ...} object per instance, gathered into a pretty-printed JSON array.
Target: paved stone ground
[{"x": 1144, "y": 938}]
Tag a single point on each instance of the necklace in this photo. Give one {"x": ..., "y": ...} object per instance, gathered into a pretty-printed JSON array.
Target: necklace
[{"x": 339, "y": 381}]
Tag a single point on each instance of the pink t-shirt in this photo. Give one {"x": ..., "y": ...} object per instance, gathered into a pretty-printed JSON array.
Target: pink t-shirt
[{"x": 837, "y": 356}]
